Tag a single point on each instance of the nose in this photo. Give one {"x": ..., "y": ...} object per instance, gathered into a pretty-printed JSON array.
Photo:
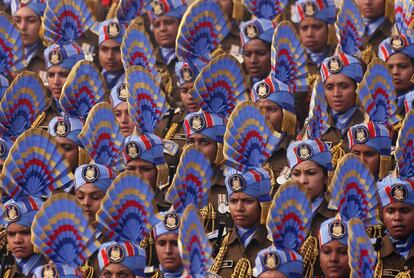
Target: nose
[
  {"x": 303, "y": 179},
  {"x": 397, "y": 217},
  {"x": 239, "y": 206},
  {"x": 85, "y": 202},
  {"x": 394, "y": 71},
  {"x": 168, "y": 248},
  {"x": 334, "y": 257},
  {"x": 336, "y": 91},
  {"x": 163, "y": 26},
  {"x": 309, "y": 32},
  {"x": 125, "y": 117},
  {"x": 18, "y": 238}
]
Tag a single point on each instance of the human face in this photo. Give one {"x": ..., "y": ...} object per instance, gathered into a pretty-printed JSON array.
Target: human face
[
  {"x": 18, "y": 241},
  {"x": 56, "y": 78},
  {"x": 90, "y": 198},
  {"x": 70, "y": 150},
  {"x": 190, "y": 103},
  {"x": 334, "y": 260},
  {"x": 340, "y": 92},
  {"x": 117, "y": 271},
  {"x": 227, "y": 7},
  {"x": 402, "y": 70},
  {"x": 206, "y": 144},
  {"x": 371, "y": 9},
  {"x": 168, "y": 255},
  {"x": 272, "y": 112},
  {"x": 165, "y": 29},
  {"x": 145, "y": 169},
  {"x": 369, "y": 156},
  {"x": 272, "y": 274},
  {"x": 124, "y": 119},
  {"x": 244, "y": 209},
  {"x": 311, "y": 176},
  {"x": 399, "y": 220},
  {"x": 313, "y": 34},
  {"x": 29, "y": 24},
  {"x": 256, "y": 54},
  {"x": 110, "y": 56}
]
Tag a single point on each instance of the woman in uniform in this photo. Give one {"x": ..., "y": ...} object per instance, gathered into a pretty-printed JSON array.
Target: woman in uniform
[
  {"x": 398, "y": 52},
  {"x": 28, "y": 17}
]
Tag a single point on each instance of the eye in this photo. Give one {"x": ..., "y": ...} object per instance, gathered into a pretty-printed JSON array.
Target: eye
[
  {"x": 233, "y": 201},
  {"x": 131, "y": 168}
]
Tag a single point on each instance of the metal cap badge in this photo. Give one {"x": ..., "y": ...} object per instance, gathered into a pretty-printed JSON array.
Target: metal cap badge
[
  {"x": 397, "y": 42},
  {"x": 251, "y": 31},
  {"x": 309, "y": 8},
  {"x": 55, "y": 56},
  {"x": 171, "y": 221},
  {"x": 304, "y": 151},
  {"x": 337, "y": 229},
  {"x": 237, "y": 183},
  {"x": 90, "y": 173},
  {"x": 113, "y": 29},
  {"x": 398, "y": 192},
  {"x": 271, "y": 261},
  {"x": 197, "y": 123},
  {"x": 13, "y": 212},
  {"x": 122, "y": 92},
  {"x": 61, "y": 128},
  {"x": 116, "y": 253},
  {"x": 335, "y": 64},
  {"x": 263, "y": 90},
  {"x": 360, "y": 134},
  {"x": 133, "y": 150}
]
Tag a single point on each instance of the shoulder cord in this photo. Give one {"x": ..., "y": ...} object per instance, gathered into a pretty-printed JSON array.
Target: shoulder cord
[
  {"x": 220, "y": 255},
  {"x": 243, "y": 269}
]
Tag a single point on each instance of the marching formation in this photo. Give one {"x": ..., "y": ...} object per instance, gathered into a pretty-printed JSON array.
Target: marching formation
[{"x": 207, "y": 138}]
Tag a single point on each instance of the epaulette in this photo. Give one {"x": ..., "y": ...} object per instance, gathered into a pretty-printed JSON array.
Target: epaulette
[{"x": 174, "y": 111}]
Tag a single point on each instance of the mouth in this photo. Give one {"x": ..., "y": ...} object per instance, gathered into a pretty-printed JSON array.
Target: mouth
[
  {"x": 18, "y": 250},
  {"x": 398, "y": 227},
  {"x": 334, "y": 268},
  {"x": 192, "y": 106}
]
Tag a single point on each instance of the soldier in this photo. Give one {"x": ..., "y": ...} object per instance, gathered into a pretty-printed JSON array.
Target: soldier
[
  {"x": 93, "y": 179},
  {"x": 248, "y": 186},
  {"x": 165, "y": 17},
  {"x": 171, "y": 126},
  {"x": 206, "y": 127},
  {"x": 283, "y": 259},
  {"x": 354, "y": 197},
  {"x": 27, "y": 16},
  {"x": 111, "y": 33},
  {"x": 66, "y": 250},
  {"x": 143, "y": 151},
  {"x": 397, "y": 200},
  {"x": 165, "y": 235},
  {"x": 66, "y": 131},
  {"x": 314, "y": 19},
  {"x": 256, "y": 37},
  {"x": 119, "y": 96},
  {"x": 126, "y": 217},
  {"x": 64, "y": 51},
  {"x": 378, "y": 25},
  {"x": 397, "y": 51},
  {"x": 28, "y": 178},
  {"x": 310, "y": 163},
  {"x": 274, "y": 95},
  {"x": 372, "y": 141}
]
